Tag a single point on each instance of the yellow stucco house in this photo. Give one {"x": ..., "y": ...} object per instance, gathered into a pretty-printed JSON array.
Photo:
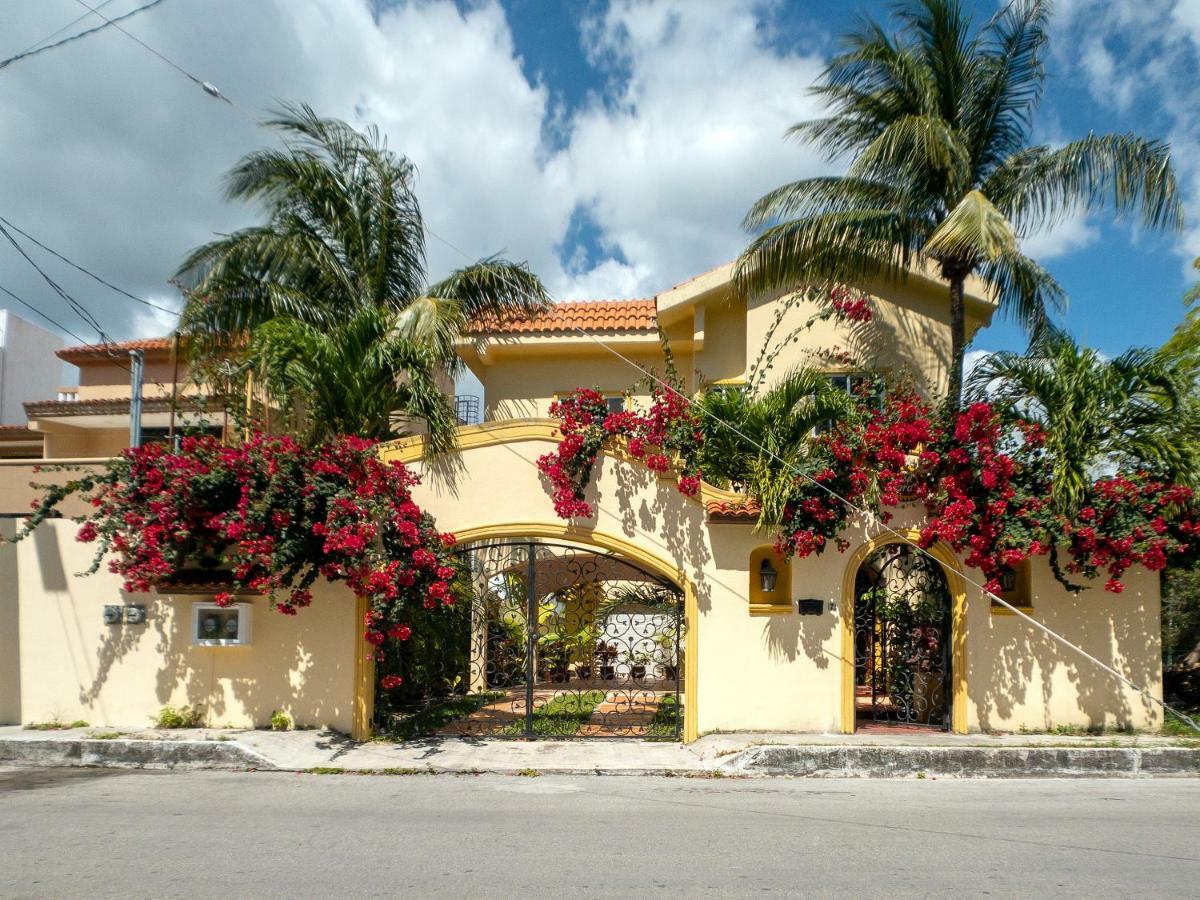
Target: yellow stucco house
[{"x": 664, "y": 615}]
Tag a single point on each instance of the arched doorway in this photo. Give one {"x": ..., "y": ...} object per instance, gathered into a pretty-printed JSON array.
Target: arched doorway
[
  {"x": 557, "y": 639},
  {"x": 903, "y": 641}
]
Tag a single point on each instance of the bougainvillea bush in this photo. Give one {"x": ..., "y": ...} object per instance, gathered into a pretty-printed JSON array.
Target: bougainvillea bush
[
  {"x": 274, "y": 514},
  {"x": 667, "y": 436},
  {"x": 983, "y": 478}
]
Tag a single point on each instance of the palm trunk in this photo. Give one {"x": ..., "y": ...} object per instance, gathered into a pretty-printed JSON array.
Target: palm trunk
[{"x": 958, "y": 342}]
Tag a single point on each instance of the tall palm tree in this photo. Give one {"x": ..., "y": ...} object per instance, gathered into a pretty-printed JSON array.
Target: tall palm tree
[
  {"x": 1096, "y": 413},
  {"x": 343, "y": 234},
  {"x": 937, "y": 120},
  {"x": 353, "y": 377},
  {"x": 773, "y": 437}
]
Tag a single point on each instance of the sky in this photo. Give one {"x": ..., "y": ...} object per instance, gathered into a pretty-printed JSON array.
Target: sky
[{"x": 613, "y": 144}]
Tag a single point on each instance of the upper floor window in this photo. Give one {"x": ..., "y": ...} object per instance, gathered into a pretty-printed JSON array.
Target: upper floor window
[{"x": 616, "y": 403}]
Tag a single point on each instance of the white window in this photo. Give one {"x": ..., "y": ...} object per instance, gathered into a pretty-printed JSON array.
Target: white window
[{"x": 221, "y": 626}]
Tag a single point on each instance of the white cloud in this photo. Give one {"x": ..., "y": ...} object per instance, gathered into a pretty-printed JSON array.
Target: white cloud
[
  {"x": 1073, "y": 233},
  {"x": 689, "y": 133},
  {"x": 116, "y": 160}
]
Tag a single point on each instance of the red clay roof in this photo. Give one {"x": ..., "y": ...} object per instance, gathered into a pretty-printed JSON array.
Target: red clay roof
[
  {"x": 103, "y": 351},
  {"x": 731, "y": 510},
  {"x": 589, "y": 315}
]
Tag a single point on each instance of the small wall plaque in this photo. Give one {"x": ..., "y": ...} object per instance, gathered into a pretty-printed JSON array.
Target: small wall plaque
[
  {"x": 135, "y": 614},
  {"x": 112, "y": 614},
  {"x": 810, "y": 607}
]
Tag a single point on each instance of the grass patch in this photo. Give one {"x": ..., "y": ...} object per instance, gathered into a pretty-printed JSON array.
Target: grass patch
[
  {"x": 105, "y": 735},
  {"x": 562, "y": 716},
  {"x": 324, "y": 770},
  {"x": 55, "y": 725},
  {"x": 432, "y": 718},
  {"x": 665, "y": 723},
  {"x": 1175, "y": 726},
  {"x": 181, "y": 717}
]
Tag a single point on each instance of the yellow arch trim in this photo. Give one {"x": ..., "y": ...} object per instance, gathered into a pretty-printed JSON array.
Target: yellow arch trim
[
  {"x": 643, "y": 557},
  {"x": 958, "y": 626},
  {"x": 512, "y": 431}
]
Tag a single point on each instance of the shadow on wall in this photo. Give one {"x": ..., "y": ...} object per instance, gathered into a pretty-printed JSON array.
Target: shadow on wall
[
  {"x": 675, "y": 521},
  {"x": 1017, "y": 672}
]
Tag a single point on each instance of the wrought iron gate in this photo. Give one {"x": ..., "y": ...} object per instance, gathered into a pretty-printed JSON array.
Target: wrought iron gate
[
  {"x": 902, "y": 634},
  {"x": 565, "y": 641}
]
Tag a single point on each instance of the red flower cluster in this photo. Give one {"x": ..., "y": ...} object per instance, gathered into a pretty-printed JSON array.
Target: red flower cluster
[
  {"x": 277, "y": 516},
  {"x": 984, "y": 481},
  {"x": 850, "y": 306},
  {"x": 667, "y": 429}
]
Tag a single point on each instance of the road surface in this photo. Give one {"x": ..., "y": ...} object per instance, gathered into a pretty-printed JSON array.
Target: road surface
[{"x": 111, "y": 833}]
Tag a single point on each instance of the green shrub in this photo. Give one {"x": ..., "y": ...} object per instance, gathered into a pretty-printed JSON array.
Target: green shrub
[
  {"x": 182, "y": 717},
  {"x": 281, "y": 721}
]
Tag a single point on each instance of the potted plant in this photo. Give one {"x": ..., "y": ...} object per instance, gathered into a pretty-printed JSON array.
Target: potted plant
[
  {"x": 638, "y": 663},
  {"x": 606, "y": 658}
]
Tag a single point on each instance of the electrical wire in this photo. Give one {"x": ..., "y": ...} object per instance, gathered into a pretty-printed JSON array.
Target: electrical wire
[
  {"x": 79, "y": 308},
  {"x": 25, "y": 54},
  {"x": 211, "y": 89},
  {"x": 55, "y": 34},
  {"x": 87, "y": 271}
]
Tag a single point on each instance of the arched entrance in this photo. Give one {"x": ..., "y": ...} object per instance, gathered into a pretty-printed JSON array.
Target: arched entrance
[
  {"x": 903, "y": 639},
  {"x": 558, "y": 639},
  {"x": 902, "y": 646}
]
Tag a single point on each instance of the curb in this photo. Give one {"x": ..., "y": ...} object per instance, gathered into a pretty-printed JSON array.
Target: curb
[
  {"x": 132, "y": 754},
  {"x": 965, "y": 762}
]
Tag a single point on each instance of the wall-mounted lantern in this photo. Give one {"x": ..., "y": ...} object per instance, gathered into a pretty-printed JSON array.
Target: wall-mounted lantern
[{"x": 767, "y": 576}]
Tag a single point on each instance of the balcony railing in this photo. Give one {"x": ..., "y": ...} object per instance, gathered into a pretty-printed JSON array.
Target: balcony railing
[{"x": 466, "y": 409}]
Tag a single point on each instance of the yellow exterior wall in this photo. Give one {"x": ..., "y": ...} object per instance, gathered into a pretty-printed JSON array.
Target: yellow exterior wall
[
  {"x": 785, "y": 672},
  {"x": 1020, "y": 677},
  {"x": 73, "y": 666},
  {"x": 524, "y": 387},
  {"x": 908, "y": 335}
]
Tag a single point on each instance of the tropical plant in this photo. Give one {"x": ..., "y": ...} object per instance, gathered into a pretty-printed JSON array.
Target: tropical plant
[
  {"x": 344, "y": 234},
  {"x": 1096, "y": 415},
  {"x": 771, "y": 435},
  {"x": 351, "y": 378},
  {"x": 943, "y": 177}
]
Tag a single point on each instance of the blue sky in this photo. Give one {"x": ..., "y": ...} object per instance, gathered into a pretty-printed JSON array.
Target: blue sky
[
  {"x": 1125, "y": 286},
  {"x": 613, "y": 144}
]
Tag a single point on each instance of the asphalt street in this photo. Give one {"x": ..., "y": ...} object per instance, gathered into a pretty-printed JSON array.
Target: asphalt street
[{"x": 114, "y": 833}]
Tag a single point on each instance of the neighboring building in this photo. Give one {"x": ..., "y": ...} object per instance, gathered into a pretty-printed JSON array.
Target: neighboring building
[
  {"x": 663, "y": 615},
  {"x": 28, "y": 368}
]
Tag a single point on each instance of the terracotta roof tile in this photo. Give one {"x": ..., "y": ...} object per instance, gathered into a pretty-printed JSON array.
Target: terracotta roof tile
[
  {"x": 732, "y": 510},
  {"x": 102, "y": 351},
  {"x": 589, "y": 315}
]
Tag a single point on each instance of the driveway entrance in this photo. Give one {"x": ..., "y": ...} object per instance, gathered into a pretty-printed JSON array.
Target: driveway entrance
[{"x": 566, "y": 641}]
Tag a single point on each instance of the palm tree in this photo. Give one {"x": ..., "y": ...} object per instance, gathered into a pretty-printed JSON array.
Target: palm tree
[
  {"x": 344, "y": 234},
  {"x": 343, "y": 379},
  {"x": 1097, "y": 413},
  {"x": 773, "y": 434},
  {"x": 943, "y": 177}
]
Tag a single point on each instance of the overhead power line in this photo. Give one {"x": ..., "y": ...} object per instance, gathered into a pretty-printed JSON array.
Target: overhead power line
[
  {"x": 208, "y": 88},
  {"x": 55, "y": 34},
  {"x": 59, "y": 325},
  {"x": 35, "y": 49},
  {"x": 79, "y": 308},
  {"x": 88, "y": 272}
]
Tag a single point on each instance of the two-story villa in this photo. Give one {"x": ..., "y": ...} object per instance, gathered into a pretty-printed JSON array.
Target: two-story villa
[{"x": 663, "y": 615}]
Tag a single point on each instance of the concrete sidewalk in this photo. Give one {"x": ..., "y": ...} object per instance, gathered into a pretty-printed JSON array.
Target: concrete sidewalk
[{"x": 718, "y": 755}]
